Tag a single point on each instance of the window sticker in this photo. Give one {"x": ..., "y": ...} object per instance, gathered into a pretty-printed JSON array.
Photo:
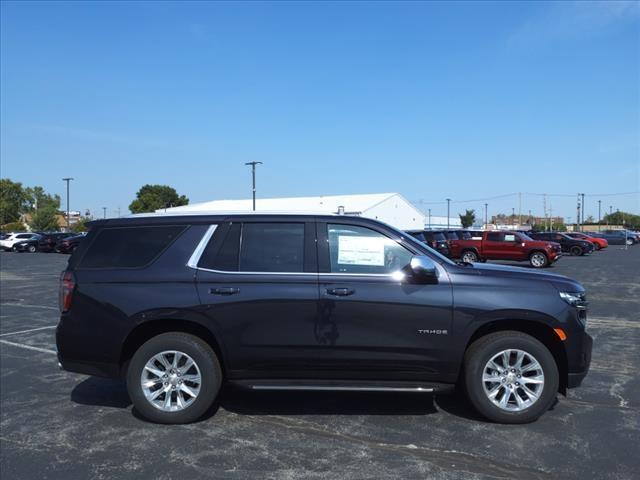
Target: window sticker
[
  {"x": 357, "y": 250},
  {"x": 509, "y": 238}
]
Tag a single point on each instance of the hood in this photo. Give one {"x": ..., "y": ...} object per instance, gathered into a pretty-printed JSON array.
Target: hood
[{"x": 561, "y": 282}]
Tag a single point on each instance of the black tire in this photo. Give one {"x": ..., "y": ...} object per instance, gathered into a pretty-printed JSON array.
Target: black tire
[
  {"x": 32, "y": 249},
  {"x": 483, "y": 349},
  {"x": 538, "y": 260},
  {"x": 201, "y": 353},
  {"x": 576, "y": 251},
  {"x": 469, "y": 256}
]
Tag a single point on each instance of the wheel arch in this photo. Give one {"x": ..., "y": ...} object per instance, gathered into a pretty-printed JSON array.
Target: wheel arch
[
  {"x": 147, "y": 330},
  {"x": 538, "y": 330}
]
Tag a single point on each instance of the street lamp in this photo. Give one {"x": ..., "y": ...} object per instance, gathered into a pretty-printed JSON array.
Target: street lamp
[
  {"x": 253, "y": 176},
  {"x": 448, "y": 210},
  {"x": 68, "y": 179}
]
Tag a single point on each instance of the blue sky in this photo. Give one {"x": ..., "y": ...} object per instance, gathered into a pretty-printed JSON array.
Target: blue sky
[{"x": 432, "y": 100}]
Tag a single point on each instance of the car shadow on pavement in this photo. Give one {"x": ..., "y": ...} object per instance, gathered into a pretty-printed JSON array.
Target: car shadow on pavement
[{"x": 104, "y": 392}]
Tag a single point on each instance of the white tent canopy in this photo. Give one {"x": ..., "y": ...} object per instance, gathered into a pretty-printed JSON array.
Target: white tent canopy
[{"x": 391, "y": 208}]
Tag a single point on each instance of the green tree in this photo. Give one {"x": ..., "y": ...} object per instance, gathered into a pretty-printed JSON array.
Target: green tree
[
  {"x": 36, "y": 198},
  {"x": 81, "y": 225},
  {"x": 618, "y": 218},
  {"x": 468, "y": 218},
  {"x": 13, "y": 227},
  {"x": 45, "y": 219},
  {"x": 12, "y": 199},
  {"x": 153, "y": 197}
]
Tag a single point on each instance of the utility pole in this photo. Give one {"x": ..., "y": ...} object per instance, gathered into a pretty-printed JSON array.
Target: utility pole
[
  {"x": 448, "y": 210},
  {"x": 545, "y": 210},
  {"x": 599, "y": 205},
  {"x": 104, "y": 212},
  {"x": 513, "y": 215},
  {"x": 429, "y": 218},
  {"x": 583, "y": 209},
  {"x": 578, "y": 215},
  {"x": 118, "y": 212},
  {"x": 253, "y": 176},
  {"x": 529, "y": 217},
  {"x": 519, "y": 208},
  {"x": 68, "y": 179},
  {"x": 486, "y": 217}
]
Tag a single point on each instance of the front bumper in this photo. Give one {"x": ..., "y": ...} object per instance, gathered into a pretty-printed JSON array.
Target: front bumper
[{"x": 581, "y": 360}]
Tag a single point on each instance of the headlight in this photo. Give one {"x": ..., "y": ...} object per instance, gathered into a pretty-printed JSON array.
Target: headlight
[{"x": 578, "y": 300}]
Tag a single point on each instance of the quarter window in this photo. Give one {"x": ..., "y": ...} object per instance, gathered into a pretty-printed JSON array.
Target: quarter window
[
  {"x": 129, "y": 247},
  {"x": 361, "y": 250}
]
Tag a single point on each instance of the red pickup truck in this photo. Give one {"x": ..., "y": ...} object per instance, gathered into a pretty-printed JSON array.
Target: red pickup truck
[{"x": 505, "y": 245}]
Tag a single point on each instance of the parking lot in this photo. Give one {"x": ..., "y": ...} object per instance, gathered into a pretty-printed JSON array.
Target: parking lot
[{"x": 56, "y": 424}]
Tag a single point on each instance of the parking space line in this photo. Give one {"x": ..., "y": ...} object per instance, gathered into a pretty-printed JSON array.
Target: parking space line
[
  {"x": 26, "y": 331},
  {"x": 28, "y": 347},
  {"x": 27, "y": 305}
]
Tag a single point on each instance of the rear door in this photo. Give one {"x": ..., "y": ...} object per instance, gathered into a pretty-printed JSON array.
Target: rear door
[{"x": 258, "y": 285}]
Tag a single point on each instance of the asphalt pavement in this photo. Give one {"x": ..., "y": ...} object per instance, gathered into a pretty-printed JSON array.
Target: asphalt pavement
[{"x": 59, "y": 425}]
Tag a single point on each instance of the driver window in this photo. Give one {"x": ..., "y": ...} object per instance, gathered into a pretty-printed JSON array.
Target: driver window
[{"x": 355, "y": 249}]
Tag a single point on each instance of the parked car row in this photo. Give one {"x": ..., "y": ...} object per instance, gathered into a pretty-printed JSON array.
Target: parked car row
[
  {"x": 540, "y": 249},
  {"x": 40, "y": 242}
]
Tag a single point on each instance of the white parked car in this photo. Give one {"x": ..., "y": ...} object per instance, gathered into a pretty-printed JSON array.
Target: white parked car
[{"x": 11, "y": 240}]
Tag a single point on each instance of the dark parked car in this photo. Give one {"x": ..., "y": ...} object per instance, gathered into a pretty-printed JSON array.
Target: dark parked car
[
  {"x": 574, "y": 246},
  {"x": 69, "y": 244},
  {"x": 48, "y": 240},
  {"x": 179, "y": 304},
  {"x": 434, "y": 239},
  {"x": 614, "y": 237},
  {"x": 27, "y": 245}
]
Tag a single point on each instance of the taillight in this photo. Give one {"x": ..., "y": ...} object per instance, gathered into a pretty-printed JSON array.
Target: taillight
[{"x": 67, "y": 285}]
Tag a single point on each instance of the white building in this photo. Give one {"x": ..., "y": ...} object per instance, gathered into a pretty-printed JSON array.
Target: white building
[{"x": 391, "y": 208}]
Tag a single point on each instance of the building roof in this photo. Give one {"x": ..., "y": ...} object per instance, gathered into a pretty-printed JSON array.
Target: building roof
[{"x": 353, "y": 204}]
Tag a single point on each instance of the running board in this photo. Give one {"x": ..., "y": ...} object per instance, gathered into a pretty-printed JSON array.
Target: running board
[{"x": 343, "y": 386}]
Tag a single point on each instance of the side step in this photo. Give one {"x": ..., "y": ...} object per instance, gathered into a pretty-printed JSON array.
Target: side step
[{"x": 344, "y": 385}]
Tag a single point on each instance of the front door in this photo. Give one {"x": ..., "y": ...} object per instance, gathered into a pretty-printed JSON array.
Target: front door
[{"x": 372, "y": 323}]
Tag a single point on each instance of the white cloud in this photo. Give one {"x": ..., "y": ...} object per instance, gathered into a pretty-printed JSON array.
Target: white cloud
[{"x": 566, "y": 21}]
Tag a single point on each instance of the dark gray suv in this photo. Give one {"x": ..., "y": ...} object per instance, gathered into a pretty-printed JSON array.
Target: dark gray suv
[{"x": 178, "y": 305}]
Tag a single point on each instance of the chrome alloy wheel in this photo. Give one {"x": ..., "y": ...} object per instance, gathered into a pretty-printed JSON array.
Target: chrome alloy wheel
[
  {"x": 538, "y": 259},
  {"x": 469, "y": 257},
  {"x": 513, "y": 380},
  {"x": 171, "y": 381}
]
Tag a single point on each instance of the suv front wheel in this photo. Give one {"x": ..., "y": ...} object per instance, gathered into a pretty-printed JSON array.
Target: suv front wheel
[
  {"x": 510, "y": 377},
  {"x": 173, "y": 378}
]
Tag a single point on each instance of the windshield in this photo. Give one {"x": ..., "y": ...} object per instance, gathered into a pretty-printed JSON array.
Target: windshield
[
  {"x": 439, "y": 237},
  {"x": 524, "y": 236}
]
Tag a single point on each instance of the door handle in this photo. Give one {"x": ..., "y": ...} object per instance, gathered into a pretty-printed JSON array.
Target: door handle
[
  {"x": 224, "y": 291},
  {"x": 341, "y": 292}
]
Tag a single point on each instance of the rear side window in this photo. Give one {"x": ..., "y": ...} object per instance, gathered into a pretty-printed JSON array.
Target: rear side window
[
  {"x": 257, "y": 247},
  {"x": 495, "y": 237},
  {"x": 272, "y": 247},
  {"x": 129, "y": 247}
]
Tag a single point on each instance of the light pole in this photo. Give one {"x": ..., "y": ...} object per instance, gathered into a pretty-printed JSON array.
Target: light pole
[
  {"x": 599, "y": 205},
  {"x": 253, "y": 176},
  {"x": 583, "y": 209},
  {"x": 486, "y": 217},
  {"x": 68, "y": 179},
  {"x": 429, "y": 219},
  {"x": 104, "y": 212},
  {"x": 448, "y": 210}
]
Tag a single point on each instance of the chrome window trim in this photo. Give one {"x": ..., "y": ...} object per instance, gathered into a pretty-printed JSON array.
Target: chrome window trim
[{"x": 204, "y": 241}]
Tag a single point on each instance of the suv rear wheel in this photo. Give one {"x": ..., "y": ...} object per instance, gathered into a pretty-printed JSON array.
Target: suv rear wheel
[
  {"x": 174, "y": 378},
  {"x": 575, "y": 250},
  {"x": 538, "y": 260},
  {"x": 510, "y": 377}
]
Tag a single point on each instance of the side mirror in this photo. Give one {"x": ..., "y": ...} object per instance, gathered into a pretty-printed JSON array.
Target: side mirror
[{"x": 423, "y": 268}]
